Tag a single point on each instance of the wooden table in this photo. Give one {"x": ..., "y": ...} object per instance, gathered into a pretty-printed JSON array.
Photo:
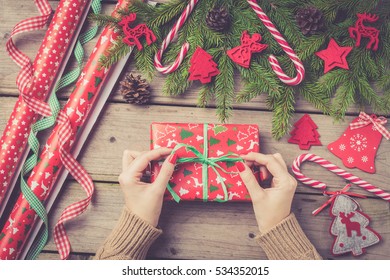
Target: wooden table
[{"x": 192, "y": 230}]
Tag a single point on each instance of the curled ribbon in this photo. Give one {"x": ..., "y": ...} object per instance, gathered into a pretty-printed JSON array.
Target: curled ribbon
[
  {"x": 378, "y": 122},
  {"x": 333, "y": 196},
  {"x": 211, "y": 162}
]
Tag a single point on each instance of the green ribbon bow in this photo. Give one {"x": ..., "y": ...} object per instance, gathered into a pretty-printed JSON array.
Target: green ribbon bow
[{"x": 206, "y": 162}]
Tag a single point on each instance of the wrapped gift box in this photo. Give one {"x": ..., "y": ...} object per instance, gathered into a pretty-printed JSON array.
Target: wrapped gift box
[{"x": 216, "y": 142}]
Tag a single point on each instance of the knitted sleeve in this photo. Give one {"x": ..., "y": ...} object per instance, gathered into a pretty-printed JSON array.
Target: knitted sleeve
[
  {"x": 287, "y": 241},
  {"x": 130, "y": 239}
]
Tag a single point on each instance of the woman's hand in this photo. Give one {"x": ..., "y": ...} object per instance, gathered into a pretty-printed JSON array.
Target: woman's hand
[
  {"x": 145, "y": 199},
  {"x": 271, "y": 205}
]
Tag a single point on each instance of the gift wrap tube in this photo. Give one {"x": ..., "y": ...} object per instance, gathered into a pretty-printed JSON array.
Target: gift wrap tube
[
  {"x": 214, "y": 142},
  {"x": 48, "y": 67},
  {"x": 18, "y": 226}
]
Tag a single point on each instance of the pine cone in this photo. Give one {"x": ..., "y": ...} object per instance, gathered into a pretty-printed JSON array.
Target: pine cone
[
  {"x": 135, "y": 90},
  {"x": 310, "y": 20},
  {"x": 218, "y": 19}
]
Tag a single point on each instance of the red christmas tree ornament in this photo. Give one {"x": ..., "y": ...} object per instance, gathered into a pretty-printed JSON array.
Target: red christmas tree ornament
[
  {"x": 360, "y": 30},
  {"x": 305, "y": 133},
  {"x": 132, "y": 34},
  {"x": 203, "y": 67},
  {"x": 359, "y": 143},
  {"x": 242, "y": 54},
  {"x": 334, "y": 56}
]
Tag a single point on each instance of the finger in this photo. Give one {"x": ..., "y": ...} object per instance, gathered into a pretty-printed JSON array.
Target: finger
[
  {"x": 142, "y": 161},
  {"x": 166, "y": 172},
  {"x": 280, "y": 159},
  {"x": 264, "y": 173},
  {"x": 253, "y": 187},
  {"x": 273, "y": 165},
  {"x": 128, "y": 157}
]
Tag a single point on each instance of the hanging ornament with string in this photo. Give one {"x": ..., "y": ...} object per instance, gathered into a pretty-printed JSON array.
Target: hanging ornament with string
[{"x": 350, "y": 225}]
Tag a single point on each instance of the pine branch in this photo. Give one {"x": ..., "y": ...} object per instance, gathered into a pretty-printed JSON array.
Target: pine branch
[
  {"x": 205, "y": 94},
  {"x": 224, "y": 88},
  {"x": 115, "y": 53},
  {"x": 283, "y": 111},
  {"x": 344, "y": 97},
  {"x": 105, "y": 20}
]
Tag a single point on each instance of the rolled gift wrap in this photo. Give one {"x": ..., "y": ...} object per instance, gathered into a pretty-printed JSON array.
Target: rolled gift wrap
[
  {"x": 87, "y": 91},
  {"x": 47, "y": 67}
]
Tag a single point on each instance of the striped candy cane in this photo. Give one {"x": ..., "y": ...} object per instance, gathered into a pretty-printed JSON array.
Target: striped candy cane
[
  {"x": 285, "y": 46},
  {"x": 184, "y": 48},
  {"x": 335, "y": 169}
]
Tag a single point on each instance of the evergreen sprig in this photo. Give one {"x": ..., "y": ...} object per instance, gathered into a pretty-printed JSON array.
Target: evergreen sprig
[{"x": 333, "y": 93}]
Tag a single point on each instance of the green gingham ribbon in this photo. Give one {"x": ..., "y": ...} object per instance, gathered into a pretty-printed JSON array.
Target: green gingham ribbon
[
  {"x": 206, "y": 162},
  {"x": 45, "y": 123}
]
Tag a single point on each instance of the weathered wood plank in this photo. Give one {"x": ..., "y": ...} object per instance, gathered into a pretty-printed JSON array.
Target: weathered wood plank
[
  {"x": 197, "y": 230},
  {"x": 124, "y": 126}
]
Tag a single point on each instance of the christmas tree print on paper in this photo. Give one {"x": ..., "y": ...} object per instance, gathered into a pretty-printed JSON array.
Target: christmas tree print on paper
[
  {"x": 305, "y": 133},
  {"x": 350, "y": 228},
  {"x": 203, "y": 67}
]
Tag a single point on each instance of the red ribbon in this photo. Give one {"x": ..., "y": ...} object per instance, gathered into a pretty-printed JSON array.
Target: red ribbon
[
  {"x": 378, "y": 122},
  {"x": 333, "y": 197}
]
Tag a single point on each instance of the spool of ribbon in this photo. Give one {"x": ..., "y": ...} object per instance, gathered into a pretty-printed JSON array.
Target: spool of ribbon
[
  {"x": 333, "y": 196},
  {"x": 206, "y": 162},
  {"x": 378, "y": 122},
  {"x": 335, "y": 169}
]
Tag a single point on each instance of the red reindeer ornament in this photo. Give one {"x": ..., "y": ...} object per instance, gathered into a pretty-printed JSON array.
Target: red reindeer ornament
[
  {"x": 360, "y": 30},
  {"x": 132, "y": 34}
]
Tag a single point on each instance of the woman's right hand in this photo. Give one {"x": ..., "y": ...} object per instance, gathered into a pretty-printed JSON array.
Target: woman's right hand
[{"x": 271, "y": 205}]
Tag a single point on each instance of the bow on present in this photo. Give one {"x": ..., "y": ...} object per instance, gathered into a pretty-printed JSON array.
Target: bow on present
[
  {"x": 206, "y": 162},
  {"x": 378, "y": 122},
  {"x": 333, "y": 196}
]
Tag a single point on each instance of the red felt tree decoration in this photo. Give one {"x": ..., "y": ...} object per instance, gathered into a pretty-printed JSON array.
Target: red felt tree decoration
[
  {"x": 132, "y": 34},
  {"x": 359, "y": 143},
  {"x": 360, "y": 30},
  {"x": 242, "y": 54},
  {"x": 350, "y": 227},
  {"x": 305, "y": 133},
  {"x": 203, "y": 67},
  {"x": 334, "y": 56}
]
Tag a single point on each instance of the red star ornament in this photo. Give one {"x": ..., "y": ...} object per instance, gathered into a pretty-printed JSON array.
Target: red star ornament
[{"x": 334, "y": 56}]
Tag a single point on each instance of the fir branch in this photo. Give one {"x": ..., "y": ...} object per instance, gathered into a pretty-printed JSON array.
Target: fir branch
[
  {"x": 144, "y": 61},
  {"x": 344, "y": 97},
  {"x": 224, "y": 88},
  {"x": 205, "y": 94},
  {"x": 283, "y": 111},
  {"x": 167, "y": 12},
  {"x": 115, "y": 53},
  {"x": 105, "y": 20}
]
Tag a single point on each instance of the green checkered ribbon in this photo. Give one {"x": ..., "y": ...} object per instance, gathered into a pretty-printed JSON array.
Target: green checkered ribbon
[
  {"x": 45, "y": 123},
  {"x": 206, "y": 162}
]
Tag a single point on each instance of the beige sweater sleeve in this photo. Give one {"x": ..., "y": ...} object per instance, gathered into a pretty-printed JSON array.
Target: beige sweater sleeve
[
  {"x": 287, "y": 241},
  {"x": 130, "y": 239}
]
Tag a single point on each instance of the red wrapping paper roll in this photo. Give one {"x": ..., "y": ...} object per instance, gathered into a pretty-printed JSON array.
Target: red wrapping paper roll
[
  {"x": 17, "y": 228},
  {"x": 51, "y": 57}
]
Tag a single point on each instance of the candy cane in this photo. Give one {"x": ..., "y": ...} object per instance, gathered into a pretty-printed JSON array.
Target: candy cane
[
  {"x": 335, "y": 169},
  {"x": 285, "y": 46},
  {"x": 184, "y": 48}
]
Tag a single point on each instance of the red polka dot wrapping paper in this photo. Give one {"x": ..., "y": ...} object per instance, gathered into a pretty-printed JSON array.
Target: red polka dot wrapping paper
[
  {"x": 50, "y": 58},
  {"x": 222, "y": 139}
]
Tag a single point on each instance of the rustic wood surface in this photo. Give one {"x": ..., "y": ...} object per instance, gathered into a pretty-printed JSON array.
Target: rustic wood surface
[{"x": 192, "y": 230}]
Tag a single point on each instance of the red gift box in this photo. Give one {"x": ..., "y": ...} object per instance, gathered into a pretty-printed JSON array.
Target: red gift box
[{"x": 206, "y": 153}]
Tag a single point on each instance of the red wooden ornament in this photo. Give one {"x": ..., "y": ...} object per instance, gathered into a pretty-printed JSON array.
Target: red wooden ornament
[
  {"x": 242, "y": 54},
  {"x": 132, "y": 34},
  {"x": 334, "y": 56},
  {"x": 358, "y": 147},
  {"x": 305, "y": 133},
  {"x": 203, "y": 67},
  {"x": 360, "y": 30}
]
